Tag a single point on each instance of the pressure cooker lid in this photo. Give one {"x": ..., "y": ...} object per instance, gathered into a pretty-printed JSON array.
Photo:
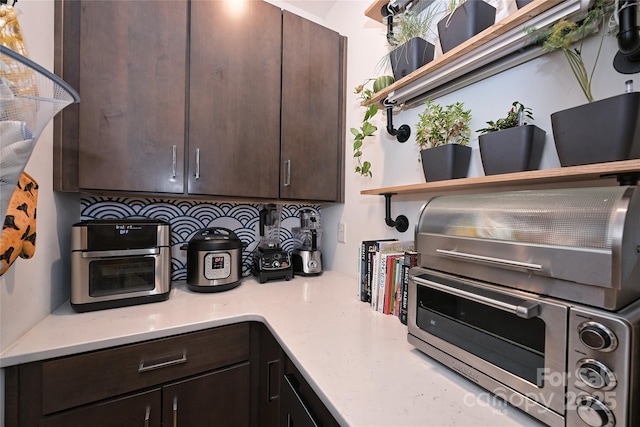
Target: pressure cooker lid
[{"x": 216, "y": 238}]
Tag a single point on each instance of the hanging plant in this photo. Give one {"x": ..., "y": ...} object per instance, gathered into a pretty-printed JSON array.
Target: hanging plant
[
  {"x": 563, "y": 34},
  {"x": 367, "y": 128}
]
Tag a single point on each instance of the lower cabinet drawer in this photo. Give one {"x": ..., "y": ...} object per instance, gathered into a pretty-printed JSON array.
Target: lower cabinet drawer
[{"x": 77, "y": 380}]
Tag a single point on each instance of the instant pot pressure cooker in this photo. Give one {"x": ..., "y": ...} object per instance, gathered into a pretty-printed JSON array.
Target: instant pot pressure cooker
[{"x": 214, "y": 260}]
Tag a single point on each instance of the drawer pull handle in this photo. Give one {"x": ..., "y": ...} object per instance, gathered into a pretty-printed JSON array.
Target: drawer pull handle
[
  {"x": 145, "y": 368},
  {"x": 146, "y": 417}
]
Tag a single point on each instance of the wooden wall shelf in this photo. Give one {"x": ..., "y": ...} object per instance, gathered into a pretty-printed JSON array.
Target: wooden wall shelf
[
  {"x": 475, "y": 52},
  {"x": 538, "y": 177},
  {"x": 374, "y": 11}
]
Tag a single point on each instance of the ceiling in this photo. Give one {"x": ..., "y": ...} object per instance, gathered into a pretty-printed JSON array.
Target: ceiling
[{"x": 316, "y": 7}]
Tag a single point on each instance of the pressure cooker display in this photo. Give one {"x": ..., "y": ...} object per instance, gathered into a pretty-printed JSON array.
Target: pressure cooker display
[{"x": 217, "y": 265}]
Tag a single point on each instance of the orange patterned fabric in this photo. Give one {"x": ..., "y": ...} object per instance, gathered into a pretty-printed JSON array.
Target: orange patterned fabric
[{"x": 19, "y": 229}]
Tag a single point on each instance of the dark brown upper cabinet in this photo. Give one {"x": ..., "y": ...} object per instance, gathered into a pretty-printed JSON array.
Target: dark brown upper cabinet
[
  {"x": 128, "y": 60},
  {"x": 199, "y": 98},
  {"x": 312, "y": 111},
  {"x": 234, "y": 91}
]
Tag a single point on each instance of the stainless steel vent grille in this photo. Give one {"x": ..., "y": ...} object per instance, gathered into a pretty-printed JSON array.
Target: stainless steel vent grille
[{"x": 577, "y": 217}]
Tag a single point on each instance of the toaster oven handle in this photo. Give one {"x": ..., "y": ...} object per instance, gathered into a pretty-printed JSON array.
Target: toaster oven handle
[
  {"x": 120, "y": 253},
  {"x": 520, "y": 307},
  {"x": 489, "y": 260}
]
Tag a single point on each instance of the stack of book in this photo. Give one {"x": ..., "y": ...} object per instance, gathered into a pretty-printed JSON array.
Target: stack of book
[{"x": 384, "y": 274}]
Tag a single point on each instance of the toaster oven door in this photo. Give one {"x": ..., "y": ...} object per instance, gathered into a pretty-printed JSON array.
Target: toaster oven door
[{"x": 510, "y": 342}]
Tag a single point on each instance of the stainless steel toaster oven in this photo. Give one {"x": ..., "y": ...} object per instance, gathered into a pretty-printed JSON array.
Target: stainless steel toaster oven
[
  {"x": 535, "y": 296},
  {"x": 117, "y": 262}
]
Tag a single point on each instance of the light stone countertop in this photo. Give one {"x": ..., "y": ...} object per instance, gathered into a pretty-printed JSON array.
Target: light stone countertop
[{"x": 358, "y": 361}]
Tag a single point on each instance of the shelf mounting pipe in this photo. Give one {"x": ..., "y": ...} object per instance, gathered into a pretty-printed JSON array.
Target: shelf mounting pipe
[
  {"x": 401, "y": 223},
  {"x": 403, "y": 132}
]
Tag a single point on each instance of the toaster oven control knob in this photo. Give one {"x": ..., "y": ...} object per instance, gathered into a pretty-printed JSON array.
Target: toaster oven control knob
[
  {"x": 597, "y": 336},
  {"x": 594, "y": 413},
  {"x": 596, "y": 374}
]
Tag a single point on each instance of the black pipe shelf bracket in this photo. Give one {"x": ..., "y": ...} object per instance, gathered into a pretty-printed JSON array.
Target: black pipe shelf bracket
[
  {"x": 403, "y": 132},
  {"x": 389, "y": 10},
  {"x": 401, "y": 223}
]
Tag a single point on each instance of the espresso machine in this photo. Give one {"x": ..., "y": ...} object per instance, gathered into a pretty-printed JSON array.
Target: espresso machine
[
  {"x": 306, "y": 257},
  {"x": 270, "y": 261}
]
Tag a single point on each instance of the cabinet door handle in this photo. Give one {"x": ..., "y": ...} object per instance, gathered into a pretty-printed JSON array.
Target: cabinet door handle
[
  {"x": 197, "y": 163},
  {"x": 287, "y": 173},
  {"x": 147, "y": 416},
  {"x": 146, "y": 368},
  {"x": 175, "y": 411},
  {"x": 272, "y": 389},
  {"x": 174, "y": 161}
]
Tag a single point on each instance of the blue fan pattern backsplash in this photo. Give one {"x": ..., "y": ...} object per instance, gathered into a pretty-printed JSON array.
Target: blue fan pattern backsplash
[{"x": 188, "y": 217}]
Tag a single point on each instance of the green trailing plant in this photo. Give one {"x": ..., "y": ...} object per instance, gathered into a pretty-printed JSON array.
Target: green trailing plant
[
  {"x": 367, "y": 128},
  {"x": 515, "y": 117},
  {"x": 439, "y": 125},
  {"x": 564, "y": 34}
]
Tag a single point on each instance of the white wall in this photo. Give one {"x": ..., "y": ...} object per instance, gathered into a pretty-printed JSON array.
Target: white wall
[
  {"x": 32, "y": 288},
  {"x": 545, "y": 84}
]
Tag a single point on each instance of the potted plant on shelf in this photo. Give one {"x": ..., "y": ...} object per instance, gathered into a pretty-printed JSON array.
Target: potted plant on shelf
[
  {"x": 599, "y": 131},
  {"x": 464, "y": 20},
  {"x": 367, "y": 128},
  {"x": 509, "y": 144},
  {"x": 411, "y": 50},
  {"x": 442, "y": 134}
]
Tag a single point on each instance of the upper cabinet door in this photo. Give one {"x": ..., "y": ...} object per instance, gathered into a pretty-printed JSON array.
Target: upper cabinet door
[
  {"x": 234, "y": 99},
  {"x": 312, "y": 111},
  {"x": 132, "y": 83}
]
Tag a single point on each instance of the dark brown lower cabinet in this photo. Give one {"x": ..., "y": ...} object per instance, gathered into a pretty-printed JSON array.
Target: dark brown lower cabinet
[
  {"x": 220, "y": 398},
  {"x": 236, "y": 375},
  {"x": 142, "y": 409},
  {"x": 196, "y": 379},
  {"x": 215, "y": 398},
  {"x": 295, "y": 411},
  {"x": 299, "y": 405},
  {"x": 269, "y": 357}
]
